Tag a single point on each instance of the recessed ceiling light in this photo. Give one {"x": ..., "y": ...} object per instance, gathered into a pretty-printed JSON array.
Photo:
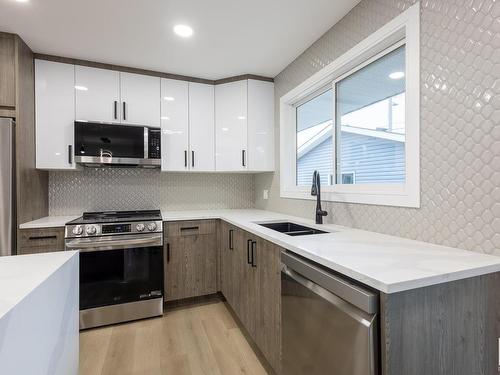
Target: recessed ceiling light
[
  {"x": 22, "y": 1},
  {"x": 396, "y": 75},
  {"x": 183, "y": 30},
  {"x": 169, "y": 98},
  {"x": 81, "y": 88},
  {"x": 165, "y": 118},
  {"x": 241, "y": 117}
]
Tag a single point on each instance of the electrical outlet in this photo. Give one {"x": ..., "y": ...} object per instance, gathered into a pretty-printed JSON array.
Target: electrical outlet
[{"x": 265, "y": 194}]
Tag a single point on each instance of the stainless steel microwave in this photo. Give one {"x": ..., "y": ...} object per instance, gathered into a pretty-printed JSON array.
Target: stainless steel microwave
[{"x": 98, "y": 144}]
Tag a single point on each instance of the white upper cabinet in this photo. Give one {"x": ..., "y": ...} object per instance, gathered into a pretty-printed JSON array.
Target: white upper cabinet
[
  {"x": 140, "y": 99},
  {"x": 54, "y": 114},
  {"x": 231, "y": 126},
  {"x": 201, "y": 127},
  {"x": 244, "y": 123},
  {"x": 97, "y": 94},
  {"x": 174, "y": 125},
  {"x": 227, "y": 127},
  {"x": 260, "y": 125}
]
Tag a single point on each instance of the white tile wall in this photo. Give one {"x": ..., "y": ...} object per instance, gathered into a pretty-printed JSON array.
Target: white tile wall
[
  {"x": 460, "y": 123},
  {"x": 71, "y": 193}
]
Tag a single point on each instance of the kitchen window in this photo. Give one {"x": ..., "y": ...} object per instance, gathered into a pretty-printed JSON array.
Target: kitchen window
[{"x": 357, "y": 122}]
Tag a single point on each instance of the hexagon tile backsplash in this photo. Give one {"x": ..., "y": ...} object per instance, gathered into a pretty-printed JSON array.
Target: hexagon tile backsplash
[
  {"x": 71, "y": 193},
  {"x": 460, "y": 123}
]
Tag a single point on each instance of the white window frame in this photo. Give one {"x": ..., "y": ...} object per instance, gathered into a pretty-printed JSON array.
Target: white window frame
[{"x": 402, "y": 30}]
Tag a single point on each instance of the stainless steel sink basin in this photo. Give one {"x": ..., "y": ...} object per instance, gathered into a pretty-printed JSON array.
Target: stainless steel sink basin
[{"x": 292, "y": 229}]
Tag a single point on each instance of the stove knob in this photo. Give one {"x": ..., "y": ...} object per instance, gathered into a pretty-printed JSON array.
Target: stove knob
[
  {"x": 152, "y": 227},
  {"x": 77, "y": 230},
  {"x": 91, "y": 229},
  {"x": 140, "y": 227}
]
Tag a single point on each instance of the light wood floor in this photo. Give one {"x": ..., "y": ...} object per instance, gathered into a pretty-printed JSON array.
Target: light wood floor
[{"x": 201, "y": 339}]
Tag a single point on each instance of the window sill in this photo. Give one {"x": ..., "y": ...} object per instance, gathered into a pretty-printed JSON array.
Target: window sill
[{"x": 403, "y": 199}]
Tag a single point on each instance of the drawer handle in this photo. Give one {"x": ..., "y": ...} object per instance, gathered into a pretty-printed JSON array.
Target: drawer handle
[
  {"x": 190, "y": 228},
  {"x": 168, "y": 252},
  {"x": 34, "y": 238}
]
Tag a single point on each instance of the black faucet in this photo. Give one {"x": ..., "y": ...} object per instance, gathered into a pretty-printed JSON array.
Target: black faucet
[{"x": 316, "y": 191}]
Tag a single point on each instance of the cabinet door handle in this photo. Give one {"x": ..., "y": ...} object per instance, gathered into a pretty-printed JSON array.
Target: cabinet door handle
[
  {"x": 231, "y": 239},
  {"x": 168, "y": 253},
  {"x": 249, "y": 243},
  {"x": 70, "y": 154},
  {"x": 192, "y": 159},
  {"x": 254, "y": 247},
  {"x": 35, "y": 238},
  {"x": 185, "y": 158},
  {"x": 124, "y": 111},
  {"x": 116, "y": 110},
  {"x": 243, "y": 158}
]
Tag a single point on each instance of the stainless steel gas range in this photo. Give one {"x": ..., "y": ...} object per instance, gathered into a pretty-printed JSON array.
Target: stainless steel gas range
[{"x": 121, "y": 265}]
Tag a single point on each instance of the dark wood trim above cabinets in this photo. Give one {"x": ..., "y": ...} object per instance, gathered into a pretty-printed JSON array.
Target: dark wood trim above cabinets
[
  {"x": 127, "y": 69},
  {"x": 241, "y": 78}
]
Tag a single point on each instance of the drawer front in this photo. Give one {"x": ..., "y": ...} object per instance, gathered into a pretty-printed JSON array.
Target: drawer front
[
  {"x": 190, "y": 228},
  {"x": 43, "y": 240}
]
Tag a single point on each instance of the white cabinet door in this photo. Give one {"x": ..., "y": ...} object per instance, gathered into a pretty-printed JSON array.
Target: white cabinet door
[
  {"x": 97, "y": 94},
  {"x": 201, "y": 127},
  {"x": 260, "y": 125},
  {"x": 54, "y": 115},
  {"x": 140, "y": 99},
  {"x": 231, "y": 126},
  {"x": 174, "y": 125}
]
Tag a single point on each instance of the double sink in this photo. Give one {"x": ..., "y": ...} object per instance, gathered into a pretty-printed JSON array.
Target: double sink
[{"x": 292, "y": 229}]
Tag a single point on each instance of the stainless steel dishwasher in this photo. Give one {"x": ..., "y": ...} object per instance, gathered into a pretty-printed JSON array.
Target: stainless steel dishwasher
[{"x": 329, "y": 325}]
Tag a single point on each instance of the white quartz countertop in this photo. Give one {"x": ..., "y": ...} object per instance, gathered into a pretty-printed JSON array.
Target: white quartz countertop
[
  {"x": 387, "y": 263},
  {"x": 48, "y": 222},
  {"x": 22, "y": 274}
]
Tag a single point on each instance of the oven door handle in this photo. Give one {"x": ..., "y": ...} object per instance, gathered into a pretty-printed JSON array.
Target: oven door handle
[{"x": 114, "y": 243}]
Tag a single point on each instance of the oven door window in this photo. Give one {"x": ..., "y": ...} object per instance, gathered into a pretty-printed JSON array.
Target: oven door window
[{"x": 120, "y": 276}]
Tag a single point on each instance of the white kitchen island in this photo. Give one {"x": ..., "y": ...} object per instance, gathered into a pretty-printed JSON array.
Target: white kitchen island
[{"x": 39, "y": 304}]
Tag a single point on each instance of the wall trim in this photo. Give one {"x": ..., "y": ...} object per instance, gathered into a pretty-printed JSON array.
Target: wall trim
[{"x": 128, "y": 69}]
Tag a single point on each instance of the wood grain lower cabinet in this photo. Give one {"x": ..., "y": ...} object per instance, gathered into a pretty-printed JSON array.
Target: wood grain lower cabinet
[
  {"x": 228, "y": 286},
  {"x": 190, "y": 259},
  {"x": 41, "y": 240},
  {"x": 449, "y": 328},
  {"x": 268, "y": 316},
  {"x": 251, "y": 283}
]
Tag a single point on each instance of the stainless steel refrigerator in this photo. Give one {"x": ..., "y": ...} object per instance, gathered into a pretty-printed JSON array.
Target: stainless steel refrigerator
[{"x": 7, "y": 188}]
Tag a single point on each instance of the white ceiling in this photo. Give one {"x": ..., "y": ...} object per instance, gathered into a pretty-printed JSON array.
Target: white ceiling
[{"x": 231, "y": 37}]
